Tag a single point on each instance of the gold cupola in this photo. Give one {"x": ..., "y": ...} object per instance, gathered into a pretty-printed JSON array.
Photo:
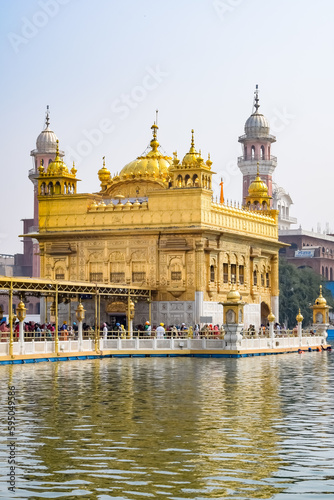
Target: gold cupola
[
  {"x": 104, "y": 175},
  {"x": 57, "y": 166},
  {"x": 147, "y": 172},
  {"x": 193, "y": 171},
  {"x": 258, "y": 193},
  {"x": 57, "y": 180}
]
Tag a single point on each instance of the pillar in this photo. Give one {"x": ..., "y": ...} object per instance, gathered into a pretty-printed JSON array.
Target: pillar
[
  {"x": 299, "y": 319},
  {"x": 10, "y": 317},
  {"x": 271, "y": 318},
  {"x": 56, "y": 323},
  {"x": 275, "y": 287}
]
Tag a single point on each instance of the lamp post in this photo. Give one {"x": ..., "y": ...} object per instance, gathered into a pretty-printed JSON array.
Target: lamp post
[
  {"x": 21, "y": 312},
  {"x": 271, "y": 318},
  {"x": 80, "y": 315},
  {"x": 299, "y": 319}
]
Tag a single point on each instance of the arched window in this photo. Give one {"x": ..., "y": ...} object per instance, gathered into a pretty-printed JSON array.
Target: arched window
[
  {"x": 50, "y": 188},
  {"x": 331, "y": 274},
  {"x": 253, "y": 152},
  {"x": 255, "y": 278},
  {"x": 245, "y": 152},
  {"x": 326, "y": 273},
  {"x": 267, "y": 280},
  {"x": 212, "y": 273},
  {"x": 195, "y": 180},
  {"x": 233, "y": 273},
  {"x": 57, "y": 188},
  {"x": 179, "y": 181},
  {"x": 187, "y": 180},
  {"x": 50, "y": 161},
  {"x": 262, "y": 152}
]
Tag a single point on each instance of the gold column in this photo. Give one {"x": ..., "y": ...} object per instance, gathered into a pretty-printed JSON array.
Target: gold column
[
  {"x": 95, "y": 330},
  {"x": 56, "y": 322},
  {"x": 10, "y": 317},
  {"x": 150, "y": 307},
  {"x": 128, "y": 314},
  {"x": 274, "y": 276},
  {"x": 46, "y": 310},
  {"x": 275, "y": 286},
  {"x": 99, "y": 316},
  {"x": 69, "y": 313}
]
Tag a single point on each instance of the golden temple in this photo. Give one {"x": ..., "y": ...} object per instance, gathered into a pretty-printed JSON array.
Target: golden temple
[{"x": 156, "y": 224}]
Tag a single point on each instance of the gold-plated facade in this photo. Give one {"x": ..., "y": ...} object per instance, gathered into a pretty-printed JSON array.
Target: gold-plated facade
[{"x": 156, "y": 225}]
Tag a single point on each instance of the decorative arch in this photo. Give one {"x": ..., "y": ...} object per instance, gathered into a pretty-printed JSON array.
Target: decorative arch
[
  {"x": 57, "y": 188},
  {"x": 179, "y": 181},
  {"x": 175, "y": 270}
]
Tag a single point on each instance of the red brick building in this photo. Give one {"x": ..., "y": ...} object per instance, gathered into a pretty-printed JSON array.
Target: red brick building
[{"x": 309, "y": 249}]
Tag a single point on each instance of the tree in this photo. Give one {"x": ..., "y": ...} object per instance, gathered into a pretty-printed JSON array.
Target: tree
[{"x": 299, "y": 287}]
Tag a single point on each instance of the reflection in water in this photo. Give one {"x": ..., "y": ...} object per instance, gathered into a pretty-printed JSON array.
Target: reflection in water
[{"x": 174, "y": 428}]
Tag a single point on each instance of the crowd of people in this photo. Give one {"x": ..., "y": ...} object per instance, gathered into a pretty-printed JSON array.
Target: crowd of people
[{"x": 38, "y": 331}]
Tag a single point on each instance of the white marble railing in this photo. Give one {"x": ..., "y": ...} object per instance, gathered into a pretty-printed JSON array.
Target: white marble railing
[{"x": 47, "y": 347}]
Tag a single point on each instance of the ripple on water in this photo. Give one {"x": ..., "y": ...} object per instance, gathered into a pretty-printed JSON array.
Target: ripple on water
[{"x": 213, "y": 428}]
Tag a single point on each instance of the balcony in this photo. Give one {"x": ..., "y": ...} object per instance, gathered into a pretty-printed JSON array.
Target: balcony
[
  {"x": 257, "y": 158},
  {"x": 287, "y": 218}
]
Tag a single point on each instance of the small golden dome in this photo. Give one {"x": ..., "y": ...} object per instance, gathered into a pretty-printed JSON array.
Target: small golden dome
[
  {"x": 271, "y": 317},
  {"x": 258, "y": 187},
  {"x": 104, "y": 173},
  {"x": 299, "y": 317},
  {"x": 321, "y": 301},
  {"x": 233, "y": 295},
  {"x": 192, "y": 157},
  {"x": 57, "y": 166}
]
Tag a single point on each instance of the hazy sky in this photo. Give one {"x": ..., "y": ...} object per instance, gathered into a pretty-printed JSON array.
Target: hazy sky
[{"x": 104, "y": 67}]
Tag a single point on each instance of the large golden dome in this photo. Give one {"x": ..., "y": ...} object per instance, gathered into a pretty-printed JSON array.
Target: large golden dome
[{"x": 153, "y": 164}]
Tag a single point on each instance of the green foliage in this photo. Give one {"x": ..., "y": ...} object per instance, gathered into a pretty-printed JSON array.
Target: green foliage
[{"x": 298, "y": 289}]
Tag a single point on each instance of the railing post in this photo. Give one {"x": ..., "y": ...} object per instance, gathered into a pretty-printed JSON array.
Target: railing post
[
  {"x": 21, "y": 337},
  {"x": 80, "y": 345}
]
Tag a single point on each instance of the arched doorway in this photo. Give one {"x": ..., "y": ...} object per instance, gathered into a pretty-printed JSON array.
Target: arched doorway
[
  {"x": 265, "y": 310},
  {"x": 117, "y": 313}
]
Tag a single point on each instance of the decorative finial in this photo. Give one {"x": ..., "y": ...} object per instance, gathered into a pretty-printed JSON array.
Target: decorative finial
[
  {"x": 57, "y": 150},
  {"x": 258, "y": 169},
  {"x": 104, "y": 161},
  {"x": 47, "y": 117},
  {"x": 221, "y": 191},
  {"x": 256, "y": 99},
  {"x": 154, "y": 143},
  {"x": 192, "y": 138},
  {"x": 156, "y": 117},
  {"x": 320, "y": 290}
]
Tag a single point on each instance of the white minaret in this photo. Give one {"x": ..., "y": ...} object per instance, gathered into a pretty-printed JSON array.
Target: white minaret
[
  {"x": 45, "y": 152},
  {"x": 256, "y": 148}
]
